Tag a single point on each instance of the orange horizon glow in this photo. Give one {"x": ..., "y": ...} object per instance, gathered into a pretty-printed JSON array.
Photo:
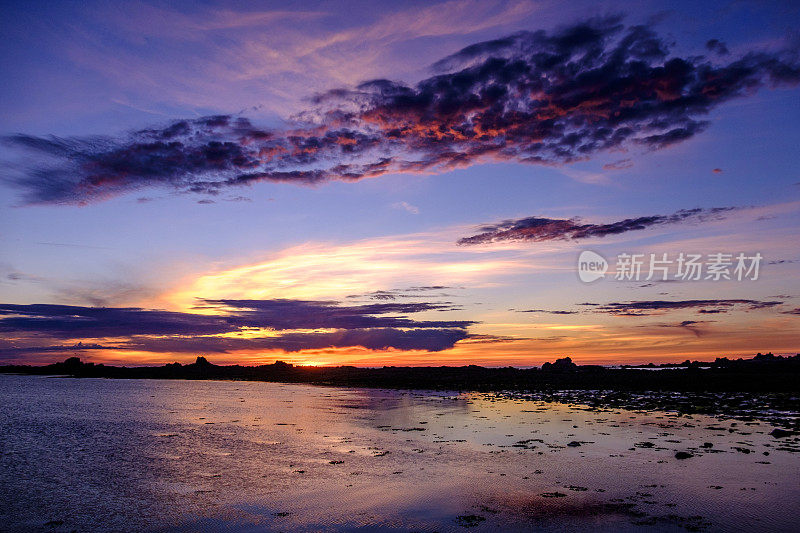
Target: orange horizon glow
[
  {"x": 514, "y": 353},
  {"x": 339, "y": 272}
]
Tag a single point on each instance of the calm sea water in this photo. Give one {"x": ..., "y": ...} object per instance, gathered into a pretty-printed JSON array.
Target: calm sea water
[{"x": 145, "y": 455}]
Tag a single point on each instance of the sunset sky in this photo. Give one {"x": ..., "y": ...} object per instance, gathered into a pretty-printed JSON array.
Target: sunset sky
[{"x": 394, "y": 183}]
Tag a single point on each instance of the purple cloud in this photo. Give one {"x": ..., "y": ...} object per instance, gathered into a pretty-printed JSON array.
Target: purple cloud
[
  {"x": 538, "y": 229},
  {"x": 375, "y": 326},
  {"x": 556, "y": 312},
  {"x": 532, "y": 97},
  {"x": 651, "y": 307}
]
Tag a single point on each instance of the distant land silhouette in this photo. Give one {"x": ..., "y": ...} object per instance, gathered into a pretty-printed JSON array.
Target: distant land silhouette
[{"x": 762, "y": 373}]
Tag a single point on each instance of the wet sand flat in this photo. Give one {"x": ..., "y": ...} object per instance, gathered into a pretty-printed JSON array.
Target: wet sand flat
[{"x": 147, "y": 455}]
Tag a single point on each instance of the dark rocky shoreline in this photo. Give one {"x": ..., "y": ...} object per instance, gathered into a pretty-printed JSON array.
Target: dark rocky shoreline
[
  {"x": 766, "y": 387},
  {"x": 763, "y": 373}
]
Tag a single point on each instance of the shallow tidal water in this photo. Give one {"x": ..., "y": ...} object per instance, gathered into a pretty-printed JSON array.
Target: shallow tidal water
[{"x": 147, "y": 455}]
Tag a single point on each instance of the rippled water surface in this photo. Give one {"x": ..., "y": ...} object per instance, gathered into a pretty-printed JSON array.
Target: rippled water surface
[{"x": 144, "y": 455}]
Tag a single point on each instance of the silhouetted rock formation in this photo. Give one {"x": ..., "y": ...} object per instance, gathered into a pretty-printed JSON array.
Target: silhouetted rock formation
[{"x": 564, "y": 364}]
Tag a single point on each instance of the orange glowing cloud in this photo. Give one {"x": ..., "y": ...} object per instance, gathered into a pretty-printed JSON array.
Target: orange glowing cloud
[{"x": 320, "y": 270}]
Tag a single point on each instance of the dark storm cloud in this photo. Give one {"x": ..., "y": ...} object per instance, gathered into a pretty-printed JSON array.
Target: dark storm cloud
[
  {"x": 532, "y": 97},
  {"x": 375, "y": 326},
  {"x": 538, "y": 229},
  {"x": 651, "y": 307}
]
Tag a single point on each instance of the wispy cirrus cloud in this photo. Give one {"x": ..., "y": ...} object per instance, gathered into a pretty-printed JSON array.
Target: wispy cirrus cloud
[
  {"x": 698, "y": 328},
  {"x": 548, "y": 311},
  {"x": 657, "y": 307},
  {"x": 538, "y": 229},
  {"x": 531, "y": 97},
  {"x": 618, "y": 165},
  {"x": 333, "y": 270},
  {"x": 414, "y": 210},
  {"x": 393, "y": 294},
  {"x": 217, "y": 58},
  {"x": 652, "y": 307}
]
